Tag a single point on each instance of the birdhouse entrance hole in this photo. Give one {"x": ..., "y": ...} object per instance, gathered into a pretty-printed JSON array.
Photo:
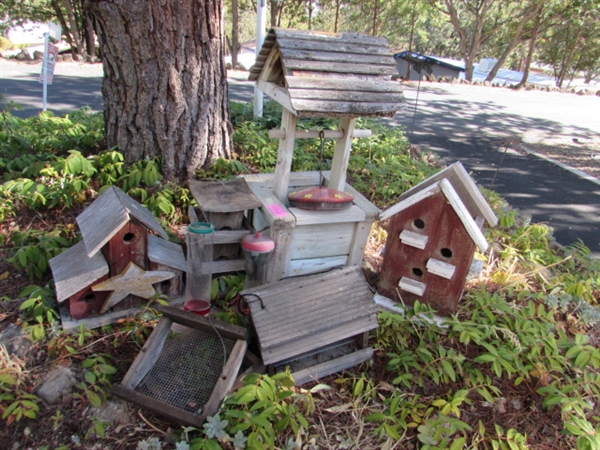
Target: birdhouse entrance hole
[
  {"x": 446, "y": 253},
  {"x": 419, "y": 224},
  {"x": 417, "y": 272},
  {"x": 89, "y": 298},
  {"x": 128, "y": 238}
]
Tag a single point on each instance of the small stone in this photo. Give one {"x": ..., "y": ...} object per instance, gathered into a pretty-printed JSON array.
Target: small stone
[
  {"x": 59, "y": 382},
  {"x": 114, "y": 411},
  {"x": 15, "y": 340},
  {"x": 517, "y": 404}
]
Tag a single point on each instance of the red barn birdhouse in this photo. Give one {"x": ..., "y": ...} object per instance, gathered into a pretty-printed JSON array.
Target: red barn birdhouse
[
  {"x": 119, "y": 263},
  {"x": 432, "y": 236}
]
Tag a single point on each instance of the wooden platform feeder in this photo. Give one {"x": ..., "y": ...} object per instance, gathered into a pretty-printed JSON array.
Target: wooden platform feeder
[
  {"x": 186, "y": 367},
  {"x": 224, "y": 205},
  {"x": 320, "y": 75},
  {"x": 298, "y": 318},
  {"x": 432, "y": 235}
]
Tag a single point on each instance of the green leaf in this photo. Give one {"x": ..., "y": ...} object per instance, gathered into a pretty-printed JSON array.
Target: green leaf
[
  {"x": 93, "y": 398},
  {"x": 90, "y": 377},
  {"x": 261, "y": 421}
]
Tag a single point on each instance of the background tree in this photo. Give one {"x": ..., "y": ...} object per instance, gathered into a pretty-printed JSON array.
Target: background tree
[{"x": 164, "y": 87}]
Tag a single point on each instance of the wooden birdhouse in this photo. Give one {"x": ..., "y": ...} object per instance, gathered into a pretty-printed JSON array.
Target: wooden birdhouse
[
  {"x": 313, "y": 74},
  {"x": 118, "y": 264},
  {"x": 433, "y": 233}
]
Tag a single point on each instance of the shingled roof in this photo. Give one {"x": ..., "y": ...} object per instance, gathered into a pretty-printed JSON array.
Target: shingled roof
[{"x": 318, "y": 74}]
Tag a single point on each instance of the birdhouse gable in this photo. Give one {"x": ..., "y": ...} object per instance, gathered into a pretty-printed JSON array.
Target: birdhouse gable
[
  {"x": 465, "y": 187},
  {"x": 103, "y": 219},
  {"x": 73, "y": 270},
  {"x": 419, "y": 241},
  {"x": 166, "y": 253},
  {"x": 325, "y": 74}
]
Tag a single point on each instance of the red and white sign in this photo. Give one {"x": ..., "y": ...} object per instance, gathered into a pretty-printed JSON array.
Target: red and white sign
[{"x": 50, "y": 63}]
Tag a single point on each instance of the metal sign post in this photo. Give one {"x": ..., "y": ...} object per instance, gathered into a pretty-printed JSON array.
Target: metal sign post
[
  {"x": 49, "y": 60},
  {"x": 261, "y": 20}
]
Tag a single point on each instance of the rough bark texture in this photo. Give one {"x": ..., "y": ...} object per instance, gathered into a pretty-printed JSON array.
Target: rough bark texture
[{"x": 165, "y": 84}]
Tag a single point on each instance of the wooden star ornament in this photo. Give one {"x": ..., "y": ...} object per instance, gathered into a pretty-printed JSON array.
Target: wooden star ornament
[{"x": 133, "y": 280}]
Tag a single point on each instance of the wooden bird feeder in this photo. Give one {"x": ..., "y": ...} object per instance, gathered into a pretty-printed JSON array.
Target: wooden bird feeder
[
  {"x": 314, "y": 74},
  {"x": 432, "y": 235},
  {"x": 186, "y": 367},
  {"x": 300, "y": 320}
]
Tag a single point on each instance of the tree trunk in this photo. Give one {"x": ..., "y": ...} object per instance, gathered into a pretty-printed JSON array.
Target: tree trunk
[
  {"x": 235, "y": 33},
  {"x": 74, "y": 29},
  {"x": 165, "y": 85},
  {"x": 337, "y": 16},
  {"x": 534, "y": 34}
]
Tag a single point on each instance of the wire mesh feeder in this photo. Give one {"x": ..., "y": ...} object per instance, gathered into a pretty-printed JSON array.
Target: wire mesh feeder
[
  {"x": 187, "y": 370},
  {"x": 186, "y": 367}
]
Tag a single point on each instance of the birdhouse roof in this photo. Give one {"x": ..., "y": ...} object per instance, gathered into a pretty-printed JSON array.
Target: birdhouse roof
[
  {"x": 316, "y": 74},
  {"x": 100, "y": 221},
  {"x": 166, "y": 253},
  {"x": 462, "y": 194},
  {"x": 73, "y": 270}
]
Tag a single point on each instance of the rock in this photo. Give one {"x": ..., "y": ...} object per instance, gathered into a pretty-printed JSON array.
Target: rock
[
  {"x": 15, "y": 340},
  {"x": 38, "y": 56},
  {"x": 117, "y": 412},
  {"x": 58, "y": 383}
]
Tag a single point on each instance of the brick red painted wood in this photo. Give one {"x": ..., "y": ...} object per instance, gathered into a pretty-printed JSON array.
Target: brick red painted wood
[
  {"x": 87, "y": 302},
  {"x": 448, "y": 241},
  {"x": 128, "y": 245}
]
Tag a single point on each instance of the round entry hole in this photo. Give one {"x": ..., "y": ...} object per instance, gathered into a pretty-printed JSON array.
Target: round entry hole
[
  {"x": 128, "y": 238},
  {"x": 89, "y": 298},
  {"x": 446, "y": 253},
  {"x": 417, "y": 272},
  {"x": 419, "y": 224}
]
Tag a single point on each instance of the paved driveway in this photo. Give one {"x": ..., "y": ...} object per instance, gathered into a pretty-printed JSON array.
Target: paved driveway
[{"x": 467, "y": 123}]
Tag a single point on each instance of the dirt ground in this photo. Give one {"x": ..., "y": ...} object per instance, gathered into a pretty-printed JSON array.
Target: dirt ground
[{"x": 581, "y": 154}]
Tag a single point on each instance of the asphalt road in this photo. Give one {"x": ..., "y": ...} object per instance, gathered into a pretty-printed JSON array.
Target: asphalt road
[{"x": 470, "y": 124}]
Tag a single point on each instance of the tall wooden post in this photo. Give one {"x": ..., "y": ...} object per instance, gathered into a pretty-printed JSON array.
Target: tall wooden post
[
  {"x": 341, "y": 154},
  {"x": 284, "y": 155}
]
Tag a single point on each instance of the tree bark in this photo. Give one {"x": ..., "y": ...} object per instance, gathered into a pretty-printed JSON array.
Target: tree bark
[
  {"x": 74, "y": 29},
  {"x": 165, "y": 83}
]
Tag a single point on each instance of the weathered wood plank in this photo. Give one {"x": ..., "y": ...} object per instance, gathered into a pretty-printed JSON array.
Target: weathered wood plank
[
  {"x": 229, "y": 236},
  {"x": 161, "y": 408},
  {"x": 314, "y": 326},
  {"x": 324, "y": 55},
  {"x": 316, "y": 241},
  {"x": 223, "y": 196},
  {"x": 340, "y": 67},
  {"x": 465, "y": 217},
  {"x": 166, "y": 253},
  {"x": 348, "y": 96},
  {"x": 362, "y": 230},
  {"x": 313, "y": 134},
  {"x": 306, "y": 217},
  {"x": 306, "y": 107},
  {"x": 372, "y": 212},
  {"x": 226, "y": 380},
  {"x": 305, "y": 344},
  {"x": 341, "y": 154},
  {"x": 323, "y": 36},
  {"x": 406, "y": 202},
  {"x": 281, "y": 256},
  {"x": 413, "y": 239},
  {"x": 371, "y": 85},
  {"x": 228, "y": 265},
  {"x": 74, "y": 270},
  {"x": 305, "y": 266},
  {"x": 274, "y": 210},
  {"x": 347, "y": 48},
  {"x": 201, "y": 323},
  {"x": 285, "y": 153},
  {"x": 280, "y": 94},
  {"x": 147, "y": 357},
  {"x": 319, "y": 371}
]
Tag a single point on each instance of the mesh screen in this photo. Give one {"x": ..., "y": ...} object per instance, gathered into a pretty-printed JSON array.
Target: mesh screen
[{"x": 187, "y": 370}]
